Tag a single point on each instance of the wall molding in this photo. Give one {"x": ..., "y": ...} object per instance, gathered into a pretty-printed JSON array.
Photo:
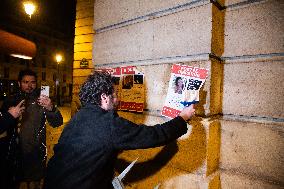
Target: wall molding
[
  {"x": 243, "y": 4},
  {"x": 153, "y": 15},
  {"x": 254, "y": 119},
  {"x": 254, "y": 58},
  {"x": 162, "y": 60}
]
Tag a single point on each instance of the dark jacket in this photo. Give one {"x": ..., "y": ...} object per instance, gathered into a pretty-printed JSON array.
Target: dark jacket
[
  {"x": 88, "y": 147},
  {"x": 27, "y": 136},
  {"x": 6, "y": 121}
]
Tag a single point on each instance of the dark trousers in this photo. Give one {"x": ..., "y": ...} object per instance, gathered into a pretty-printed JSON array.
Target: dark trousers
[{"x": 6, "y": 179}]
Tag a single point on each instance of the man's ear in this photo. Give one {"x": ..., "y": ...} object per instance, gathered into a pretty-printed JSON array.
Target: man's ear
[
  {"x": 19, "y": 83},
  {"x": 103, "y": 97}
]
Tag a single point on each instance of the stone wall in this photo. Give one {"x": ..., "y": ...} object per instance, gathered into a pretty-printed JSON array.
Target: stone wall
[
  {"x": 252, "y": 147},
  {"x": 83, "y": 45},
  {"x": 236, "y": 138}
]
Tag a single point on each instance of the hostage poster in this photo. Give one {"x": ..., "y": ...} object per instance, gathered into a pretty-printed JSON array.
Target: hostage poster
[
  {"x": 129, "y": 87},
  {"x": 184, "y": 86}
]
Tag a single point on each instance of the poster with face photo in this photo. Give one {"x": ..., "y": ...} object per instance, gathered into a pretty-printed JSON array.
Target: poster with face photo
[{"x": 184, "y": 87}]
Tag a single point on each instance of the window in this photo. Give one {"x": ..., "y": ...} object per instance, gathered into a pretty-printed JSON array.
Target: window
[
  {"x": 64, "y": 77},
  {"x": 43, "y": 76},
  {"x": 43, "y": 63},
  {"x": 54, "y": 77},
  {"x": 7, "y": 58},
  {"x": 6, "y": 72},
  {"x": 22, "y": 61}
]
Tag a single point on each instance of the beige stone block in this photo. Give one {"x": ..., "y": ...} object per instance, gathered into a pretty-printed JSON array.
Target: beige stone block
[
  {"x": 183, "y": 31},
  {"x": 156, "y": 85},
  {"x": 160, "y": 5},
  {"x": 130, "y": 9},
  {"x": 167, "y": 178},
  {"x": 232, "y": 2},
  {"x": 84, "y": 13},
  {"x": 256, "y": 29},
  {"x": 231, "y": 180},
  {"x": 148, "y": 175},
  {"x": 255, "y": 149},
  {"x": 104, "y": 16},
  {"x": 83, "y": 47},
  {"x": 124, "y": 44},
  {"x": 190, "y": 181},
  {"x": 83, "y": 39},
  {"x": 197, "y": 151},
  {"x": 80, "y": 55},
  {"x": 84, "y": 22},
  {"x": 254, "y": 89},
  {"x": 84, "y": 30}
]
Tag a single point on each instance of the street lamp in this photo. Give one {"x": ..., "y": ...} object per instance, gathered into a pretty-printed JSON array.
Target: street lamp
[
  {"x": 58, "y": 58},
  {"x": 29, "y": 8}
]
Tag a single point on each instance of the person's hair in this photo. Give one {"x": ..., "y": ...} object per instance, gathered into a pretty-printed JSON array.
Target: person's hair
[
  {"x": 26, "y": 72},
  {"x": 176, "y": 81},
  {"x": 96, "y": 84}
]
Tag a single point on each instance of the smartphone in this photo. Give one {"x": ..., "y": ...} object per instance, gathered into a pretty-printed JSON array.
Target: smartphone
[{"x": 44, "y": 90}]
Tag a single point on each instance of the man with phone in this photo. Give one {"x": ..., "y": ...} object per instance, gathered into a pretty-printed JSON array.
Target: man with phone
[{"x": 27, "y": 135}]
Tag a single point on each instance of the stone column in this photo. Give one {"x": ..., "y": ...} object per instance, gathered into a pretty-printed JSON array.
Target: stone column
[{"x": 83, "y": 43}]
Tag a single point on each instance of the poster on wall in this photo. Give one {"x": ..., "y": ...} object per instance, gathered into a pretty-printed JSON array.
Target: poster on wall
[
  {"x": 184, "y": 87},
  {"x": 129, "y": 87}
]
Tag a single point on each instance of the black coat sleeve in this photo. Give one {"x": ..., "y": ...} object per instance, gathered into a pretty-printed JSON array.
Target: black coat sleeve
[
  {"x": 6, "y": 121},
  {"x": 54, "y": 118},
  {"x": 126, "y": 135}
]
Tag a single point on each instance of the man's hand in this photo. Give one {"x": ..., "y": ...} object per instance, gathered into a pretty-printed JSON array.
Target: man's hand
[
  {"x": 45, "y": 102},
  {"x": 16, "y": 111},
  {"x": 187, "y": 112}
]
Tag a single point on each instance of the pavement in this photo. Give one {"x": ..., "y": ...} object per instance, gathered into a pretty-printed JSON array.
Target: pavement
[
  {"x": 66, "y": 112},
  {"x": 53, "y": 134}
]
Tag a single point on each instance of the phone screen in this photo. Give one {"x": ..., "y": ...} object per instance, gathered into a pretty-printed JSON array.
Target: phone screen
[{"x": 44, "y": 90}]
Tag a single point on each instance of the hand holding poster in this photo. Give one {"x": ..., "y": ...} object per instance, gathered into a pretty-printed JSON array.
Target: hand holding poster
[{"x": 184, "y": 86}]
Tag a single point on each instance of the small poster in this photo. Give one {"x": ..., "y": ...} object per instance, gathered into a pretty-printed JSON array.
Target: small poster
[
  {"x": 132, "y": 90},
  {"x": 129, "y": 87},
  {"x": 184, "y": 86}
]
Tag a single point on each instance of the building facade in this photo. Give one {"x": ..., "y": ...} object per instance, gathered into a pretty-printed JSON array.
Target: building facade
[
  {"x": 236, "y": 139},
  {"x": 56, "y": 75}
]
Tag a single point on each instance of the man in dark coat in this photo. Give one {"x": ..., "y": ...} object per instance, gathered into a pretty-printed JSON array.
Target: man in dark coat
[
  {"x": 88, "y": 147},
  {"x": 27, "y": 136},
  {"x": 7, "y": 120}
]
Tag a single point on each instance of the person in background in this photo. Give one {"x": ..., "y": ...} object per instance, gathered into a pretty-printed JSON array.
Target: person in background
[
  {"x": 89, "y": 144},
  {"x": 26, "y": 156},
  {"x": 7, "y": 120}
]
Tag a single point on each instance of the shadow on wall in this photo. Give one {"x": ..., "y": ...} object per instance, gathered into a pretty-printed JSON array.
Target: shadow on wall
[{"x": 186, "y": 155}]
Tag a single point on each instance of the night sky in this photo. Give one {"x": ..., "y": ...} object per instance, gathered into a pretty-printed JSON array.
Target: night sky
[{"x": 56, "y": 14}]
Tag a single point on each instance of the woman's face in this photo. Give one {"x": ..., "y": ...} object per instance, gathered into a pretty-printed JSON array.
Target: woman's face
[{"x": 180, "y": 83}]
